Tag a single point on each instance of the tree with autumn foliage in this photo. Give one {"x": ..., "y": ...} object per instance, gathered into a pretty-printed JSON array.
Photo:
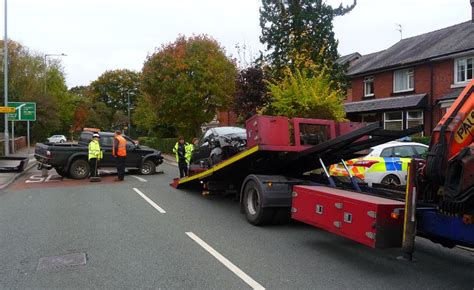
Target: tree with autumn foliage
[
  {"x": 28, "y": 74},
  {"x": 185, "y": 83}
]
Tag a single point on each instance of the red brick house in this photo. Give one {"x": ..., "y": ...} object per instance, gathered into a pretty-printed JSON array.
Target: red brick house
[{"x": 414, "y": 81}]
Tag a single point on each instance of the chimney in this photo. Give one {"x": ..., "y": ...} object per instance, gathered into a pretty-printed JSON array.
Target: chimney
[{"x": 472, "y": 11}]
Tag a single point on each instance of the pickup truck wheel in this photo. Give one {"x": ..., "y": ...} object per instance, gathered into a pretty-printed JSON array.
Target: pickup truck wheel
[
  {"x": 148, "y": 167},
  {"x": 79, "y": 169},
  {"x": 252, "y": 203}
]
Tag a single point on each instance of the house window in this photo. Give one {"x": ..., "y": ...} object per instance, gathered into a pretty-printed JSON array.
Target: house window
[
  {"x": 403, "y": 80},
  {"x": 369, "y": 87},
  {"x": 415, "y": 118},
  {"x": 463, "y": 69},
  {"x": 393, "y": 120}
]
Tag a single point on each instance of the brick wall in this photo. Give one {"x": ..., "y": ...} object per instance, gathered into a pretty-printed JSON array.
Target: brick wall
[
  {"x": 443, "y": 78},
  {"x": 227, "y": 118}
]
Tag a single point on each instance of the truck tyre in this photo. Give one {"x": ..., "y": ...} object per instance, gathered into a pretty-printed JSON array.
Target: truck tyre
[
  {"x": 148, "y": 167},
  {"x": 79, "y": 169},
  {"x": 252, "y": 204}
]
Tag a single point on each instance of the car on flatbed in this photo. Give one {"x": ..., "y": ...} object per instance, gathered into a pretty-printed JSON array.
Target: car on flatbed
[
  {"x": 71, "y": 159},
  {"x": 217, "y": 145}
]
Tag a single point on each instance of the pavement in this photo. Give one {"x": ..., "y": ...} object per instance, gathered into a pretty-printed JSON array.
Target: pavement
[
  {"x": 8, "y": 178},
  {"x": 142, "y": 233}
]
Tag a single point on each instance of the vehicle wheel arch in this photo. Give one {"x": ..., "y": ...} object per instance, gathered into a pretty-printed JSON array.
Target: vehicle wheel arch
[
  {"x": 73, "y": 158},
  {"x": 391, "y": 176}
]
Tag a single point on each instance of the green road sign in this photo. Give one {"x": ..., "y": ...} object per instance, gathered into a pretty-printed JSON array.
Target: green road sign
[{"x": 24, "y": 111}]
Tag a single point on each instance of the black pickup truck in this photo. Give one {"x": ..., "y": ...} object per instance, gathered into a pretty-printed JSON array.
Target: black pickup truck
[{"x": 70, "y": 160}]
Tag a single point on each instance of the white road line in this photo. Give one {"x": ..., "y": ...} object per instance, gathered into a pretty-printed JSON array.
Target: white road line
[
  {"x": 157, "y": 207},
  {"x": 246, "y": 278},
  {"x": 139, "y": 178}
]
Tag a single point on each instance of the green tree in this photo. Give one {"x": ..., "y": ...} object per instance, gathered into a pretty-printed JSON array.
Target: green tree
[
  {"x": 296, "y": 27},
  {"x": 113, "y": 89},
  {"x": 186, "y": 82},
  {"x": 304, "y": 94},
  {"x": 27, "y": 75}
]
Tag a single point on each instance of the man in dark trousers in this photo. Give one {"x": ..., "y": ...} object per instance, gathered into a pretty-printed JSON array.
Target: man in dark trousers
[
  {"x": 119, "y": 151},
  {"x": 95, "y": 155},
  {"x": 181, "y": 157}
]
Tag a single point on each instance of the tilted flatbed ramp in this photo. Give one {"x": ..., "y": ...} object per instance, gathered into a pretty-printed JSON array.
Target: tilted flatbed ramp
[
  {"x": 225, "y": 164},
  {"x": 295, "y": 160}
]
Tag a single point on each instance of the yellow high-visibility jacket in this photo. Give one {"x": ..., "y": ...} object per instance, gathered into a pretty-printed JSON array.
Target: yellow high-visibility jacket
[{"x": 94, "y": 150}]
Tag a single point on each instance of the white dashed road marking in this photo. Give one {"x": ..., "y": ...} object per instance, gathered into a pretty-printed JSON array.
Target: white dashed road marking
[
  {"x": 233, "y": 268},
  {"x": 139, "y": 178},
  {"x": 153, "y": 204}
]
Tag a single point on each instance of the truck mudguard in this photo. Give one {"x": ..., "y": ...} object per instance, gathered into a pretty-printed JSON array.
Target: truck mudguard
[{"x": 275, "y": 189}]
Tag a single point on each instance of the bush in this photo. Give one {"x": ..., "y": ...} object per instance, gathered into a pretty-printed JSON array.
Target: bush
[
  {"x": 423, "y": 140},
  {"x": 165, "y": 145}
]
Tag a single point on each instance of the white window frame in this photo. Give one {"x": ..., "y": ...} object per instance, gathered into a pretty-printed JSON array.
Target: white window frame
[
  {"x": 456, "y": 76},
  {"x": 409, "y": 72},
  {"x": 366, "y": 81},
  {"x": 398, "y": 120},
  {"x": 417, "y": 119}
]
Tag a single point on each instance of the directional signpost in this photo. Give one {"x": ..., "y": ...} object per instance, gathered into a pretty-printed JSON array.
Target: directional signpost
[
  {"x": 4, "y": 110},
  {"x": 24, "y": 111}
]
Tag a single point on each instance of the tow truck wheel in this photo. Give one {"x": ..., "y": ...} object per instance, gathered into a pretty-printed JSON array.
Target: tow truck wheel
[
  {"x": 252, "y": 203},
  {"x": 80, "y": 169}
]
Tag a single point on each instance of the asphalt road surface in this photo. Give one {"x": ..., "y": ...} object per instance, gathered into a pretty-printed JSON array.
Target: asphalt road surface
[{"x": 142, "y": 233}]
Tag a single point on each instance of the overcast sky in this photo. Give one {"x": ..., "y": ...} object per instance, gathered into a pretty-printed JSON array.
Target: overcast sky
[{"x": 100, "y": 35}]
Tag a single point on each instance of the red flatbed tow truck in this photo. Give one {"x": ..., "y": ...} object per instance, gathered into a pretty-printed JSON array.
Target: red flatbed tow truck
[{"x": 279, "y": 175}]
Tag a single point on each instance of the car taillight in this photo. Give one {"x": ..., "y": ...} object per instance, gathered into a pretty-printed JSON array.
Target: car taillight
[{"x": 365, "y": 163}]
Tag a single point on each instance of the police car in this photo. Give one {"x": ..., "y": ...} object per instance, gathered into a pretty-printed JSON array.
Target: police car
[{"x": 385, "y": 164}]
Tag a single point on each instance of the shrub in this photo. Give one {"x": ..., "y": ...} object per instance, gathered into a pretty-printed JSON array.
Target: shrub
[
  {"x": 424, "y": 140},
  {"x": 165, "y": 145}
]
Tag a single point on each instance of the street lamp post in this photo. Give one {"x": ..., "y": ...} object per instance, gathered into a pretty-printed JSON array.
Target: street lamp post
[
  {"x": 129, "y": 122},
  {"x": 46, "y": 68},
  {"x": 5, "y": 83}
]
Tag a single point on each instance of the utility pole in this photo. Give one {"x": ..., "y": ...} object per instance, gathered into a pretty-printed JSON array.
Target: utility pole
[
  {"x": 129, "y": 122},
  {"x": 5, "y": 83}
]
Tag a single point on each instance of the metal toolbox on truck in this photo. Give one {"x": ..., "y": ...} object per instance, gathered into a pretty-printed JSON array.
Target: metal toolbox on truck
[
  {"x": 268, "y": 130},
  {"x": 359, "y": 217}
]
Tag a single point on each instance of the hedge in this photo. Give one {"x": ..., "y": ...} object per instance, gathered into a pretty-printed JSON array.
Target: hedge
[
  {"x": 165, "y": 145},
  {"x": 423, "y": 140}
]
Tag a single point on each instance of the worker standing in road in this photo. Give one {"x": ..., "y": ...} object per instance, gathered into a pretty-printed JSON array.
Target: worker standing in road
[
  {"x": 189, "y": 153},
  {"x": 95, "y": 154},
  {"x": 183, "y": 156},
  {"x": 119, "y": 151}
]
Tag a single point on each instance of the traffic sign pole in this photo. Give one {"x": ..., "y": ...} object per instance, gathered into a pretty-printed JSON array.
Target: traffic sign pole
[
  {"x": 13, "y": 136},
  {"x": 28, "y": 136}
]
